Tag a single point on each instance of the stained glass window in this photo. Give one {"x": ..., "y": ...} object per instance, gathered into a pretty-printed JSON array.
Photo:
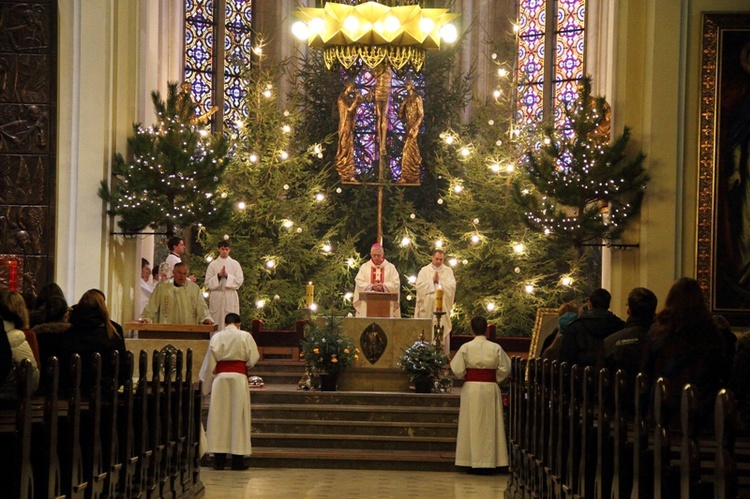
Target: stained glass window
[
  {"x": 551, "y": 43},
  {"x": 206, "y": 21}
]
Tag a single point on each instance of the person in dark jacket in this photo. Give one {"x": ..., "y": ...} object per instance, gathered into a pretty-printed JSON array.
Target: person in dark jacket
[
  {"x": 91, "y": 330},
  {"x": 583, "y": 340},
  {"x": 624, "y": 349},
  {"x": 684, "y": 346}
]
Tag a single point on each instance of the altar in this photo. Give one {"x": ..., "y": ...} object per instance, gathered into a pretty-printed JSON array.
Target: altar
[
  {"x": 381, "y": 341},
  {"x": 150, "y": 337}
]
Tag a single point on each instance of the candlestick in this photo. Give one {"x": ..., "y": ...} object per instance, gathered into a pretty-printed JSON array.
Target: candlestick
[
  {"x": 309, "y": 294},
  {"x": 439, "y": 300}
]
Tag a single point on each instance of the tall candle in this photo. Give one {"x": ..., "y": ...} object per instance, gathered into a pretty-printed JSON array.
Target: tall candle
[
  {"x": 439, "y": 300},
  {"x": 309, "y": 294}
]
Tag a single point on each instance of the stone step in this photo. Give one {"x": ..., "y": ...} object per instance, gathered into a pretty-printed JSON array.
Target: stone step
[
  {"x": 384, "y": 428},
  {"x": 353, "y": 459},
  {"x": 280, "y": 366},
  {"x": 355, "y": 412},
  {"x": 288, "y": 394},
  {"x": 272, "y": 378},
  {"x": 363, "y": 442}
]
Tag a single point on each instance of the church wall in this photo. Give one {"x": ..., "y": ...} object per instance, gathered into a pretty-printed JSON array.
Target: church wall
[
  {"x": 112, "y": 55},
  {"x": 656, "y": 89}
]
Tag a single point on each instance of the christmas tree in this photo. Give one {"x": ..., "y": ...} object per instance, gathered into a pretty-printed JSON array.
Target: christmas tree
[
  {"x": 281, "y": 230},
  {"x": 172, "y": 173},
  {"x": 581, "y": 188}
]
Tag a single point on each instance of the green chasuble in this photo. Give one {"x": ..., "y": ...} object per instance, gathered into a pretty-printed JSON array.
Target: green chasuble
[{"x": 170, "y": 304}]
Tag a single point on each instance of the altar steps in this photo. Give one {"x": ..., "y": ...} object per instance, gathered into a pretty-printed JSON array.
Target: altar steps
[{"x": 353, "y": 430}]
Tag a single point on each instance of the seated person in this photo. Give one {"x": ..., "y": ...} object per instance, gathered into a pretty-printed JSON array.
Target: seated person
[
  {"x": 37, "y": 312},
  {"x": 91, "y": 331},
  {"x": 179, "y": 301},
  {"x": 55, "y": 319},
  {"x": 20, "y": 350}
]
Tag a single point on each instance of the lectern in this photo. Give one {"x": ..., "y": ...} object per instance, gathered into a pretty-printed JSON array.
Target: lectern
[{"x": 379, "y": 304}]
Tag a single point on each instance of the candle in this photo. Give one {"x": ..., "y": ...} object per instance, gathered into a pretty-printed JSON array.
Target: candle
[
  {"x": 309, "y": 294},
  {"x": 439, "y": 300}
]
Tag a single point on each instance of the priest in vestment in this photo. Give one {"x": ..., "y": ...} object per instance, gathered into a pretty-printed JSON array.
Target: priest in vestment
[
  {"x": 377, "y": 275},
  {"x": 432, "y": 277},
  {"x": 177, "y": 301},
  {"x": 223, "y": 278},
  {"x": 481, "y": 443},
  {"x": 230, "y": 354}
]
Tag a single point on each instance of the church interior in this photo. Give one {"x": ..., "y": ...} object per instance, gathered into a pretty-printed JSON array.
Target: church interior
[{"x": 76, "y": 84}]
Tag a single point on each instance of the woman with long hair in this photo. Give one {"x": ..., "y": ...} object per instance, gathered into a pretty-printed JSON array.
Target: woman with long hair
[
  {"x": 16, "y": 304},
  {"x": 684, "y": 346},
  {"x": 13, "y": 324},
  {"x": 91, "y": 331}
]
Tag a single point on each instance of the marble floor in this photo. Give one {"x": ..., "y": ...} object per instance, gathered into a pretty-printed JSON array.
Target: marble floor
[{"x": 327, "y": 483}]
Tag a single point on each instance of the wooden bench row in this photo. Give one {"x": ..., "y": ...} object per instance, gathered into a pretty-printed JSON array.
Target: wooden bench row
[
  {"x": 570, "y": 435},
  {"x": 139, "y": 441}
]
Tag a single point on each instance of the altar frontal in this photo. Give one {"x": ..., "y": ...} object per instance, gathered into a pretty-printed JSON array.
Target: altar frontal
[{"x": 381, "y": 341}]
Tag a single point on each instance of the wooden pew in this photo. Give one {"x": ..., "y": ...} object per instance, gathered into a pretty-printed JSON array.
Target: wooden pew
[
  {"x": 570, "y": 486},
  {"x": 141, "y": 430},
  {"x": 156, "y": 468},
  {"x": 622, "y": 450},
  {"x": 15, "y": 437},
  {"x": 664, "y": 477},
  {"x": 91, "y": 448},
  {"x": 113, "y": 463},
  {"x": 129, "y": 456},
  {"x": 514, "y": 464},
  {"x": 71, "y": 461},
  {"x": 604, "y": 452},
  {"x": 725, "y": 463}
]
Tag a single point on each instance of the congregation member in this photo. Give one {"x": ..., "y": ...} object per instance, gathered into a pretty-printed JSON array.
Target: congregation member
[
  {"x": 17, "y": 305},
  {"x": 566, "y": 314},
  {"x": 378, "y": 275},
  {"x": 223, "y": 278},
  {"x": 684, "y": 346},
  {"x": 431, "y": 278},
  {"x": 624, "y": 349},
  {"x": 55, "y": 318},
  {"x": 481, "y": 444},
  {"x": 178, "y": 301},
  {"x": 6, "y": 355},
  {"x": 231, "y": 352},
  {"x": 37, "y": 310},
  {"x": 20, "y": 350},
  {"x": 583, "y": 341},
  {"x": 91, "y": 331}
]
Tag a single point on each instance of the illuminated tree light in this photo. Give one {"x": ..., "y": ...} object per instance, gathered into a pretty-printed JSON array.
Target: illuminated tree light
[
  {"x": 529, "y": 289},
  {"x": 405, "y": 241},
  {"x": 412, "y": 279},
  {"x": 439, "y": 243},
  {"x": 270, "y": 264},
  {"x": 260, "y": 303},
  {"x": 490, "y": 306},
  {"x": 453, "y": 262},
  {"x": 320, "y": 197},
  {"x": 518, "y": 248}
]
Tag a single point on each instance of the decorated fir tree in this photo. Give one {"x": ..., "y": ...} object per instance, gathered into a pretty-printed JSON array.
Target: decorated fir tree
[
  {"x": 172, "y": 171},
  {"x": 506, "y": 272},
  {"x": 281, "y": 229},
  {"x": 581, "y": 187}
]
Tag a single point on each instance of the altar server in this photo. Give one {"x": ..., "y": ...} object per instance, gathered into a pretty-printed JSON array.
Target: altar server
[
  {"x": 481, "y": 442},
  {"x": 223, "y": 279},
  {"x": 378, "y": 275},
  {"x": 230, "y": 354}
]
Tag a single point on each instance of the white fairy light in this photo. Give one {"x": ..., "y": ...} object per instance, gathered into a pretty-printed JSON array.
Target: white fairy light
[
  {"x": 458, "y": 188},
  {"x": 253, "y": 158},
  {"x": 495, "y": 168},
  {"x": 566, "y": 281},
  {"x": 518, "y": 248},
  {"x": 452, "y": 262},
  {"x": 326, "y": 248},
  {"x": 260, "y": 303},
  {"x": 320, "y": 197},
  {"x": 313, "y": 307},
  {"x": 348, "y": 295},
  {"x": 270, "y": 264},
  {"x": 490, "y": 306},
  {"x": 288, "y": 224},
  {"x": 439, "y": 243},
  {"x": 209, "y": 259},
  {"x": 350, "y": 262},
  {"x": 405, "y": 241},
  {"x": 241, "y": 205},
  {"x": 529, "y": 289},
  {"x": 412, "y": 279},
  {"x": 475, "y": 239}
]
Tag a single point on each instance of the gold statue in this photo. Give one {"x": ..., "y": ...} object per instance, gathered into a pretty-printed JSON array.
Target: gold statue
[
  {"x": 382, "y": 98},
  {"x": 186, "y": 99},
  {"x": 411, "y": 114},
  {"x": 348, "y": 102}
]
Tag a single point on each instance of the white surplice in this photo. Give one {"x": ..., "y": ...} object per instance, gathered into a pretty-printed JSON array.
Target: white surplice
[
  {"x": 386, "y": 274},
  {"x": 481, "y": 439},
  {"x": 228, "y": 426},
  {"x": 425, "y": 305},
  {"x": 223, "y": 297}
]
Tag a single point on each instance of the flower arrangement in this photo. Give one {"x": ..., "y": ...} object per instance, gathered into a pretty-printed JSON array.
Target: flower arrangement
[
  {"x": 423, "y": 360},
  {"x": 325, "y": 349}
]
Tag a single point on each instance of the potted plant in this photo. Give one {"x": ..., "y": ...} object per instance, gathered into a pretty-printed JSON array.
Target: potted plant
[
  {"x": 424, "y": 364},
  {"x": 327, "y": 351}
]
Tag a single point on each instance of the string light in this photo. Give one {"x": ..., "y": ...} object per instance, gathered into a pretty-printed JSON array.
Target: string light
[{"x": 490, "y": 306}]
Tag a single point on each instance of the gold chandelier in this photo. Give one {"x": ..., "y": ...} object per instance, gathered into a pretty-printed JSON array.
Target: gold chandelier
[{"x": 374, "y": 32}]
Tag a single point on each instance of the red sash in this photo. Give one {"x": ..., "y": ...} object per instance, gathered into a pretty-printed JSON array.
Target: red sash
[
  {"x": 482, "y": 375},
  {"x": 231, "y": 366}
]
